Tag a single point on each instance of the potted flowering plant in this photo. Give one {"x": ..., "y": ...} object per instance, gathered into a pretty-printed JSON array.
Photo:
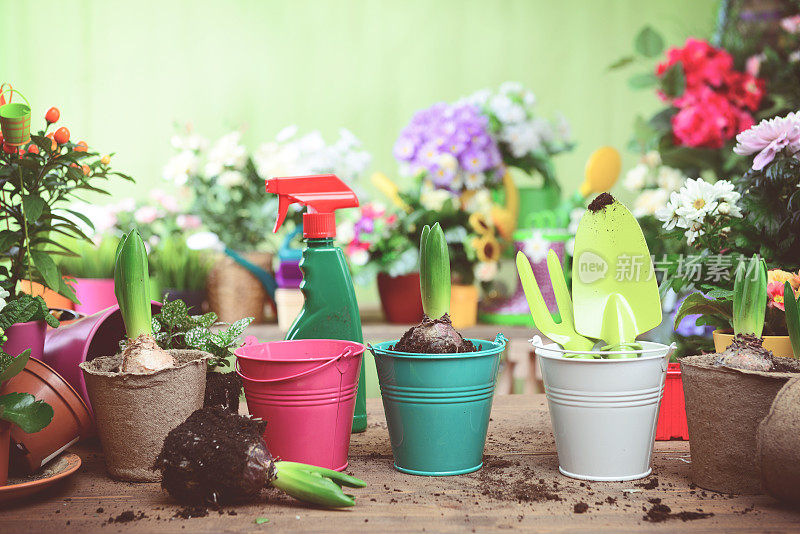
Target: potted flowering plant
[
  {"x": 378, "y": 246},
  {"x": 38, "y": 178}
]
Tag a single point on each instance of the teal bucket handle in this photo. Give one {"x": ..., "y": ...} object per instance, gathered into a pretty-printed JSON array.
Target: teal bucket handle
[
  {"x": 348, "y": 351},
  {"x": 266, "y": 279},
  {"x": 501, "y": 340}
]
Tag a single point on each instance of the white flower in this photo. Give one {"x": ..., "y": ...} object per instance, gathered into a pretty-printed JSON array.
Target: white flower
[
  {"x": 126, "y": 205},
  {"x": 346, "y": 232},
  {"x": 725, "y": 191},
  {"x": 193, "y": 142},
  {"x": 563, "y": 129},
  {"x": 230, "y": 178},
  {"x": 636, "y": 178},
  {"x": 695, "y": 231},
  {"x": 794, "y": 57},
  {"x": 434, "y": 199},
  {"x": 180, "y": 167},
  {"x": 227, "y": 152},
  {"x": 669, "y": 178},
  {"x": 359, "y": 257},
  {"x": 521, "y": 138},
  {"x": 697, "y": 199},
  {"x": 474, "y": 180},
  {"x": 485, "y": 271},
  {"x": 528, "y": 98},
  {"x": 652, "y": 159},
  {"x": 506, "y": 110},
  {"x": 480, "y": 202},
  {"x": 650, "y": 201},
  {"x": 544, "y": 130},
  {"x": 448, "y": 161},
  {"x": 287, "y": 133},
  {"x": 204, "y": 241},
  {"x": 3, "y": 296},
  {"x": 668, "y": 214},
  {"x": 536, "y": 247}
]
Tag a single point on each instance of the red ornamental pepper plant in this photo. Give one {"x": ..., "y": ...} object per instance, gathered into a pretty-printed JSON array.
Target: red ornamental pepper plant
[{"x": 37, "y": 182}]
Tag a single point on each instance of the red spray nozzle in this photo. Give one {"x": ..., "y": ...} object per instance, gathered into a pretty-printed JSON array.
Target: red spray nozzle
[{"x": 323, "y": 194}]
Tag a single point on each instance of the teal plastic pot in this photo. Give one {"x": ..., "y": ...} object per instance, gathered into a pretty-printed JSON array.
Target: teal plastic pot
[{"x": 438, "y": 405}]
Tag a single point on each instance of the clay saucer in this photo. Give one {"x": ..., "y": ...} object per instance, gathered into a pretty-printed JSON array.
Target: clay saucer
[{"x": 58, "y": 469}]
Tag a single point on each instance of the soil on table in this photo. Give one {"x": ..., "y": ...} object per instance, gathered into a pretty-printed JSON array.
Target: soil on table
[
  {"x": 223, "y": 389},
  {"x": 433, "y": 337},
  {"x": 601, "y": 201},
  {"x": 215, "y": 456}
]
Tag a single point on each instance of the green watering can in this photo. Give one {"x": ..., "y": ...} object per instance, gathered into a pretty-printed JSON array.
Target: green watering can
[{"x": 15, "y": 118}]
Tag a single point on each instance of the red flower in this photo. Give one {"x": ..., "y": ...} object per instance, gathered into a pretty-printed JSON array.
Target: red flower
[
  {"x": 744, "y": 90},
  {"x": 775, "y": 295}
]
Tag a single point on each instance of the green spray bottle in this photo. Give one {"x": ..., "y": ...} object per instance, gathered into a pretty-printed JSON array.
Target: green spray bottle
[{"x": 330, "y": 310}]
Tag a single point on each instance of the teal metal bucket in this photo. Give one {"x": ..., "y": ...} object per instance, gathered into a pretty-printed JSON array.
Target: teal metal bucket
[{"x": 438, "y": 405}]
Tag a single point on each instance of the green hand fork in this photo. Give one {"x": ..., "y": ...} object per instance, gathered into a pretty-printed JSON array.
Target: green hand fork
[{"x": 564, "y": 332}]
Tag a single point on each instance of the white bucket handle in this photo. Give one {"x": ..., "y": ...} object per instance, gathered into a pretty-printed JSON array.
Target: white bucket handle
[{"x": 537, "y": 342}]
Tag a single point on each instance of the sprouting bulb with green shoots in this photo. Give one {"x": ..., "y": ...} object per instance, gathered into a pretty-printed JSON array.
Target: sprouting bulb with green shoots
[
  {"x": 435, "y": 334},
  {"x": 749, "y": 308}
]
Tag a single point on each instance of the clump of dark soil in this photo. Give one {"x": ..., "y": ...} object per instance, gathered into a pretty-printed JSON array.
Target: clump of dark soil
[
  {"x": 580, "y": 507},
  {"x": 601, "y": 201},
  {"x": 433, "y": 337},
  {"x": 189, "y": 512},
  {"x": 215, "y": 456},
  {"x": 658, "y": 513},
  {"x": 127, "y": 516},
  {"x": 651, "y": 483},
  {"x": 223, "y": 389},
  {"x": 493, "y": 462},
  {"x": 746, "y": 352}
]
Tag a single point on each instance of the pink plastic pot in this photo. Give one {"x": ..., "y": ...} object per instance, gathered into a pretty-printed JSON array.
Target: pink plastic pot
[
  {"x": 94, "y": 294},
  {"x": 306, "y": 392},
  {"x": 66, "y": 347},
  {"x": 23, "y": 336}
]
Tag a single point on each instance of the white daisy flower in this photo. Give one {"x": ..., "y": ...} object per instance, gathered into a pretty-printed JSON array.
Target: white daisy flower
[
  {"x": 670, "y": 179},
  {"x": 636, "y": 178},
  {"x": 230, "y": 178},
  {"x": 180, "y": 167},
  {"x": 698, "y": 199},
  {"x": 536, "y": 247},
  {"x": 474, "y": 180}
]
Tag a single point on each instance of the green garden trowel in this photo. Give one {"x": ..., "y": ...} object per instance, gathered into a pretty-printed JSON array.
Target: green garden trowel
[
  {"x": 564, "y": 332},
  {"x": 614, "y": 288}
]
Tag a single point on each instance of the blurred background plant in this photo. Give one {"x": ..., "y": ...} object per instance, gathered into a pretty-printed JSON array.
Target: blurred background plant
[
  {"x": 177, "y": 267},
  {"x": 92, "y": 260}
]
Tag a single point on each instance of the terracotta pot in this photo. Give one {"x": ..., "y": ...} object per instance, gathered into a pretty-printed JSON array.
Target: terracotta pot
[
  {"x": 400, "y": 298},
  {"x": 672, "y": 412},
  {"x": 5, "y": 442},
  {"x": 723, "y": 409},
  {"x": 51, "y": 298},
  {"x": 234, "y": 293},
  {"x": 193, "y": 298},
  {"x": 779, "y": 445},
  {"x": 72, "y": 419},
  {"x": 94, "y": 294},
  {"x": 23, "y": 336},
  {"x": 135, "y": 412},
  {"x": 779, "y": 345},
  {"x": 463, "y": 306},
  {"x": 68, "y": 346}
]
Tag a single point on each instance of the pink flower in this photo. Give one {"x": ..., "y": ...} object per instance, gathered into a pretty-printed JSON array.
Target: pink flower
[
  {"x": 791, "y": 24},
  {"x": 188, "y": 222},
  {"x": 753, "y": 64},
  {"x": 146, "y": 215},
  {"x": 769, "y": 137},
  {"x": 775, "y": 295}
]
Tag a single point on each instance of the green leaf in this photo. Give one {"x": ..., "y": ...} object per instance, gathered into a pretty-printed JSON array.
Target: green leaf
[
  {"x": 434, "y": 272},
  {"x": 47, "y": 267},
  {"x": 673, "y": 82},
  {"x": 8, "y": 238},
  {"x": 11, "y": 366},
  {"x": 792, "y": 318},
  {"x": 643, "y": 80},
  {"x": 25, "y": 411},
  {"x": 34, "y": 205},
  {"x": 621, "y": 62},
  {"x": 82, "y": 217},
  {"x": 696, "y": 303},
  {"x": 261, "y": 520},
  {"x": 648, "y": 42}
]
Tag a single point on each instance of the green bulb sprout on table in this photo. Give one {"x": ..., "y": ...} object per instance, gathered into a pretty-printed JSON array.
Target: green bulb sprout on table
[
  {"x": 792, "y": 306},
  {"x": 749, "y": 308},
  {"x": 435, "y": 334}
]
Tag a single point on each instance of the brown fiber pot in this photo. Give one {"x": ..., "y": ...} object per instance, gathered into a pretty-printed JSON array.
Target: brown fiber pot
[
  {"x": 71, "y": 417},
  {"x": 724, "y": 408},
  {"x": 779, "y": 345},
  {"x": 400, "y": 298},
  {"x": 779, "y": 445},
  {"x": 135, "y": 412},
  {"x": 233, "y": 292},
  {"x": 5, "y": 442}
]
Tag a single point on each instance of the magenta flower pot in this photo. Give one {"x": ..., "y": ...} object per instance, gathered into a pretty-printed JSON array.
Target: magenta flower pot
[
  {"x": 65, "y": 348},
  {"x": 23, "y": 336},
  {"x": 94, "y": 294}
]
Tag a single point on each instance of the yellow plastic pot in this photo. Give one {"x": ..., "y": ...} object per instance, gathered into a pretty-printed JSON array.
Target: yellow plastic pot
[
  {"x": 779, "y": 345},
  {"x": 463, "y": 306}
]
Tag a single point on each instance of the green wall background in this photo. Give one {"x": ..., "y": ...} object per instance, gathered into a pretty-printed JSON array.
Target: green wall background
[{"x": 125, "y": 73}]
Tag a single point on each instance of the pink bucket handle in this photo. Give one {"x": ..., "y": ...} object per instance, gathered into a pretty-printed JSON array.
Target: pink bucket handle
[{"x": 346, "y": 352}]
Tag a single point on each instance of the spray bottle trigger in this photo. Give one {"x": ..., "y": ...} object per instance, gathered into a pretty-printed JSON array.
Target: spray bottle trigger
[{"x": 283, "y": 207}]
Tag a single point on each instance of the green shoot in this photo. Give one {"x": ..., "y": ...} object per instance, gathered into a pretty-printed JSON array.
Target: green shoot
[
  {"x": 750, "y": 298},
  {"x": 315, "y": 485},
  {"x": 132, "y": 285},
  {"x": 434, "y": 272},
  {"x": 792, "y": 307}
]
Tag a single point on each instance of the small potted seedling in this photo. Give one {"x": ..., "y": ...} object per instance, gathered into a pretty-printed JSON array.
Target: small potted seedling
[
  {"x": 728, "y": 394},
  {"x": 181, "y": 272},
  {"x": 20, "y": 409},
  {"x": 142, "y": 393},
  {"x": 217, "y": 456},
  {"x": 437, "y": 387}
]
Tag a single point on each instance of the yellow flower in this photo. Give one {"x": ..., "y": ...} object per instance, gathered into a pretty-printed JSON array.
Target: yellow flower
[
  {"x": 480, "y": 224},
  {"x": 487, "y": 248},
  {"x": 776, "y": 275}
]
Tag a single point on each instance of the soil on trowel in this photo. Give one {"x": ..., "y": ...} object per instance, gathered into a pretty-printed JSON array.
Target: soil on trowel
[
  {"x": 223, "y": 389},
  {"x": 215, "y": 456},
  {"x": 601, "y": 201},
  {"x": 433, "y": 337}
]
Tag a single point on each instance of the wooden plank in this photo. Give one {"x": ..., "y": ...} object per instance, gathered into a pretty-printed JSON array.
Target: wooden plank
[{"x": 505, "y": 494}]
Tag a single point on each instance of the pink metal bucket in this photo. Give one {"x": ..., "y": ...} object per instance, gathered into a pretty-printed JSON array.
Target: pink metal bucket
[
  {"x": 94, "y": 294},
  {"x": 306, "y": 392}
]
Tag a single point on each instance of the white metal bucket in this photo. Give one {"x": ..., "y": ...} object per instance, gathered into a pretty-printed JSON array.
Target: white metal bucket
[{"x": 604, "y": 411}]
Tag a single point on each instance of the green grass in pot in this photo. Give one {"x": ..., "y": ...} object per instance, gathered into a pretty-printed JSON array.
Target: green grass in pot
[
  {"x": 178, "y": 267},
  {"x": 92, "y": 261},
  {"x": 435, "y": 334}
]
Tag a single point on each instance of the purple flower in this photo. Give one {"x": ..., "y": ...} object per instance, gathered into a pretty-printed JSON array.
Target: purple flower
[{"x": 769, "y": 137}]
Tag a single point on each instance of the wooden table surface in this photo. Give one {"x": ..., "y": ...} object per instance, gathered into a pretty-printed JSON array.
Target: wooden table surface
[{"x": 519, "y": 487}]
